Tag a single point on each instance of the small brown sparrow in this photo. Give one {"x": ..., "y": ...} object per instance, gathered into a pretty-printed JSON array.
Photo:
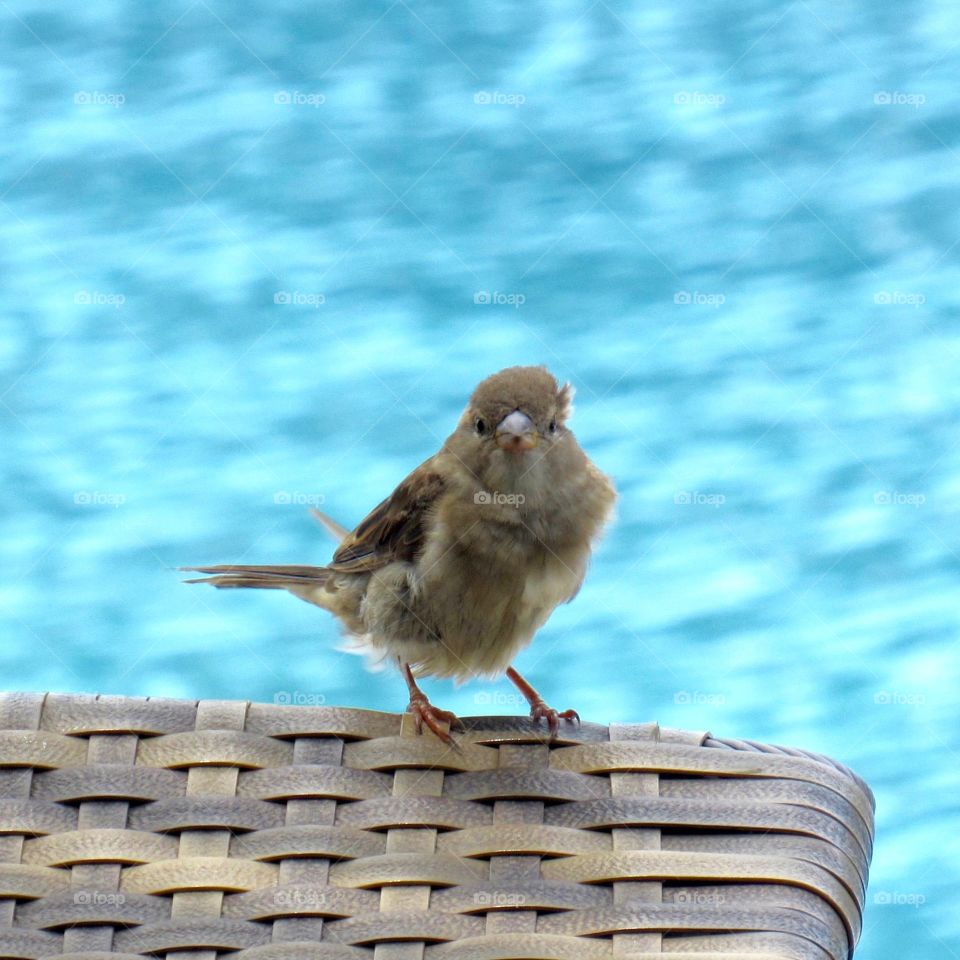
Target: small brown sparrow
[{"x": 457, "y": 569}]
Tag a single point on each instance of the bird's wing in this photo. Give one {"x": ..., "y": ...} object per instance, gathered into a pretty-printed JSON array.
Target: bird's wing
[{"x": 395, "y": 529}]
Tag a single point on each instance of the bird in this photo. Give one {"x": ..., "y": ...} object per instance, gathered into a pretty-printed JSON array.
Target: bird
[{"x": 454, "y": 573}]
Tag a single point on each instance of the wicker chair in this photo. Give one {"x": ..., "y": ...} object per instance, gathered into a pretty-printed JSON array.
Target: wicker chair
[{"x": 179, "y": 829}]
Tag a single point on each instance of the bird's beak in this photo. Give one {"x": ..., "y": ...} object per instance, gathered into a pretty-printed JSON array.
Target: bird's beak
[{"x": 516, "y": 432}]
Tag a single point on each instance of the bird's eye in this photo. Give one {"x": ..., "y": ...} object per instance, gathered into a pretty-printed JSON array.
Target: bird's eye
[
  {"x": 481, "y": 426},
  {"x": 552, "y": 427}
]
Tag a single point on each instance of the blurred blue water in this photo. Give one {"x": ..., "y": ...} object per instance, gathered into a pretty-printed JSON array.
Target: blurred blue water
[{"x": 246, "y": 254}]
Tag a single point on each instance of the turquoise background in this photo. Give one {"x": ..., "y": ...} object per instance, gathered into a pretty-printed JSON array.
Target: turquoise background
[{"x": 246, "y": 251}]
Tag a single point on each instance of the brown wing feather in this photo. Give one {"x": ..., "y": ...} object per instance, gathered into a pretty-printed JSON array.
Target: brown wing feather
[{"x": 394, "y": 529}]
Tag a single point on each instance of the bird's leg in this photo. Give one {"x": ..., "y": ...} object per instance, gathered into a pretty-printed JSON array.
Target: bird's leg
[
  {"x": 538, "y": 708},
  {"x": 424, "y": 712}
]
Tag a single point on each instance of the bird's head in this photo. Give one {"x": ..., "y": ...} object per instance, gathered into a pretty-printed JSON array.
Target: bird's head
[{"x": 515, "y": 420}]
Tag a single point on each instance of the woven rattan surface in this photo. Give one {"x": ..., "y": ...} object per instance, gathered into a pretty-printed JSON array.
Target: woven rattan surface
[{"x": 179, "y": 829}]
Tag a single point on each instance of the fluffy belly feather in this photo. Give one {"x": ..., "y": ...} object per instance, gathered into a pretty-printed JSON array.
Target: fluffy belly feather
[{"x": 480, "y": 622}]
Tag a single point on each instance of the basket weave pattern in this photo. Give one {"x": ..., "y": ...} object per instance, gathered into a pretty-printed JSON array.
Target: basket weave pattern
[{"x": 179, "y": 829}]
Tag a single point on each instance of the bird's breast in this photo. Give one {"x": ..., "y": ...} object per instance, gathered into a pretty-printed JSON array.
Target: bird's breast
[{"x": 490, "y": 591}]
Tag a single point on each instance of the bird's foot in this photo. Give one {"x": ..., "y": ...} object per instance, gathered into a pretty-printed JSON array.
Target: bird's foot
[
  {"x": 424, "y": 712},
  {"x": 539, "y": 710}
]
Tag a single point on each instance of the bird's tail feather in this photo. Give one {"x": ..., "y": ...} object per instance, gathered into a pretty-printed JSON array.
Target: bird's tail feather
[
  {"x": 338, "y": 532},
  {"x": 270, "y": 578}
]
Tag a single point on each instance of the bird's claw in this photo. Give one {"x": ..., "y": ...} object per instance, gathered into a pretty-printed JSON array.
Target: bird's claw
[
  {"x": 539, "y": 710},
  {"x": 424, "y": 712}
]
